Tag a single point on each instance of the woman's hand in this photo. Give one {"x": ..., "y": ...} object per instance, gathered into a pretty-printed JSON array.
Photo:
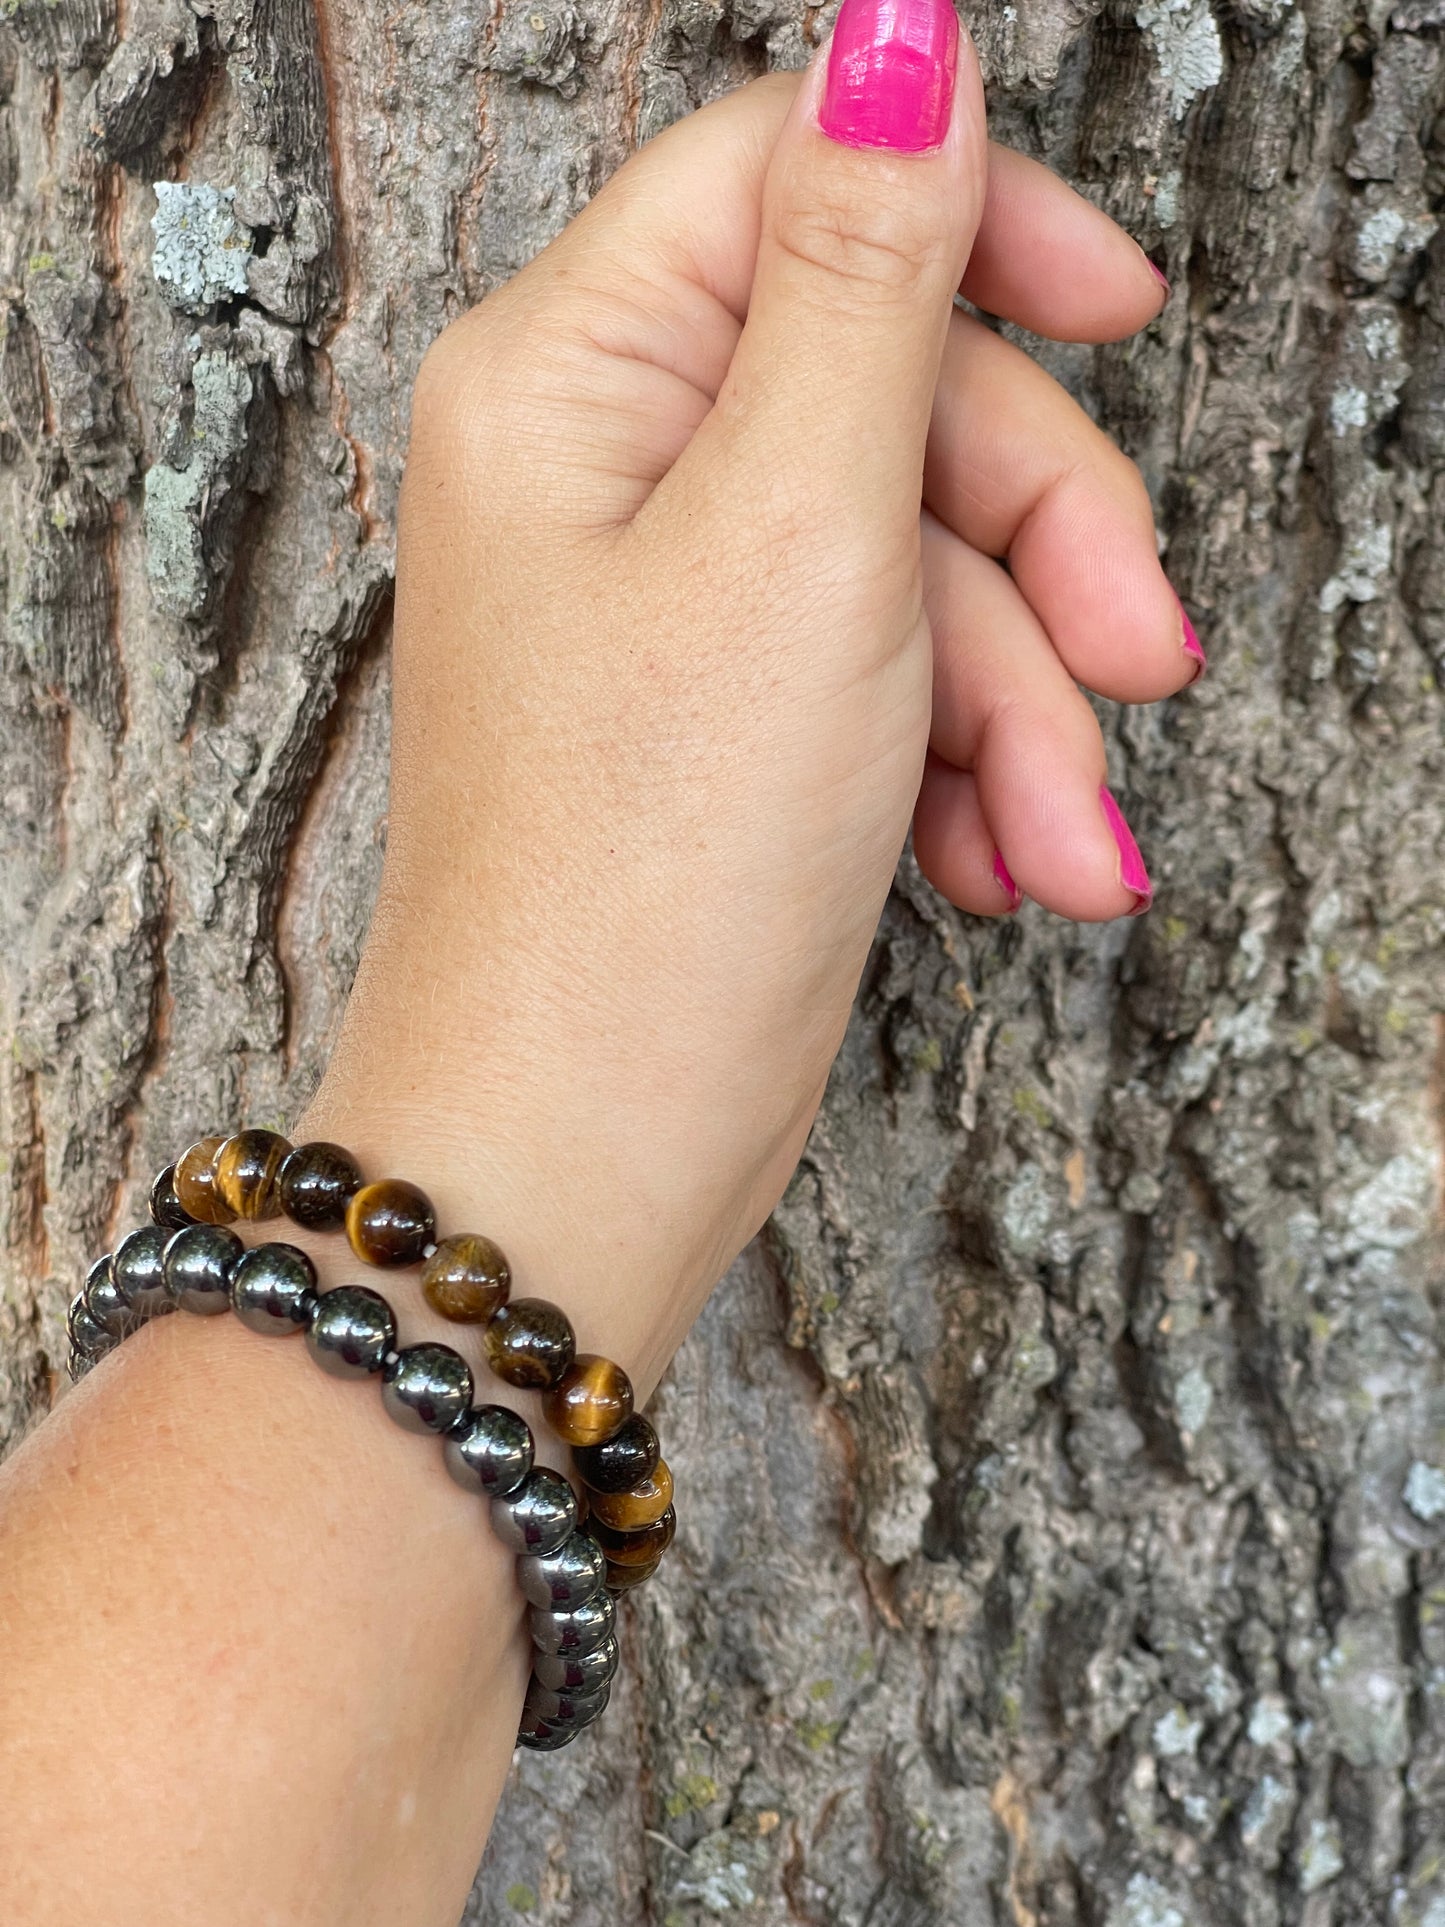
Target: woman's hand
[{"x": 671, "y": 638}]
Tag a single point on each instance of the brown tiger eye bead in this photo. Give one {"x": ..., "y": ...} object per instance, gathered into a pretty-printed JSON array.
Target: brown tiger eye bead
[
  {"x": 195, "y": 1184},
  {"x": 620, "y": 1578},
  {"x": 390, "y": 1222},
  {"x": 591, "y": 1400},
  {"x": 635, "y": 1548},
  {"x": 530, "y": 1342},
  {"x": 246, "y": 1169},
  {"x": 466, "y": 1278},
  {"x": 622, "y": 1461},
  {"x": 639, "y": 1506},
  {"x": 316, "y": 1184}
]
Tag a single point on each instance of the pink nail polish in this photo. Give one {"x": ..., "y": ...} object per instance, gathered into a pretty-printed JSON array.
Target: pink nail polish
[
  {"x": 1192, "y": 646},
  {"x": 1132, "y": 873},
  {"x": 1006, "y": 883},
  {"x": 1161, "y": 278},
  {"x": 891, "y": 66}
]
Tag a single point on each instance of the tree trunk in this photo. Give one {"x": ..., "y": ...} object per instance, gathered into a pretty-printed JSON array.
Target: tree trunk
[{"x": 1063, "y": 1475}]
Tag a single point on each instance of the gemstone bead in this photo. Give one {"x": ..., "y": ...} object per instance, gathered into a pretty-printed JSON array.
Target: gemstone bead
[
  {"x": 489, "y": 1449},
  {"x": 246, "y": 1170},
  {"x": 88, "y": 1338},
  {"x": 539, "y": 1515},
  {"x": 139, "y": 1271},
  {"x": 273, "y": 1288},
  {"x": 619, "y": 1578},
  {"x": 198, "y": 1264},
  {"x": 624, "y": 1460},
  {"x": 639, "y": 1505},
  {"x": 635, "y": 1548},
  {"x": 105, "y": 1301},
  {"x": 165, "y": 1207},
  {"x": 591, "y": 1400},
  {"x": 567, "y": 1708},
  {"x": 530, "y": 1342},
  {"x": 390, "y": 1222},
  {"x": 426, "y": 1388},
  {"x": 540, "y": 1736},
  {"x": 566, "y": 1578},
  {"x": 195, "y": 1183},
  {"x": 466, "y": 1278},
  {"x": 316, "y": 1184},
  {"x": 351, "y": 1331},
  {"x": 576, "y": 1672},
  {"x": 579, "y": 1631}
]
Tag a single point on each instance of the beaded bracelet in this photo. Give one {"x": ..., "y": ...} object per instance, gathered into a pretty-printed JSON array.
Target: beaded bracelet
[{"x": 189, "y": 1259}]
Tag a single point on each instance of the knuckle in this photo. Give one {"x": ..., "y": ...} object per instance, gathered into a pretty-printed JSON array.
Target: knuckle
[{"x": 871, "y": 240}]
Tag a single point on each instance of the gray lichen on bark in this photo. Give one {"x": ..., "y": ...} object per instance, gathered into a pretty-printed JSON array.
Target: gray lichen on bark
[{"x": 1062, "y": 1539}]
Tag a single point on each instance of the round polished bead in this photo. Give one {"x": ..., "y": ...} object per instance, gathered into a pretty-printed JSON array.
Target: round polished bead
[
  {"x": 579, "y": 1631},
  {"x": 624, "y": 1460},
  {"x": 166, "y": 1208},
  {"x": 620, "y": 1578},
  {"x": 351, "y": 1330},
  {"x": 489, "y": 1450},
  {"x": 104, "y": 1302},
  {"x": 530, "y": 1342},
  {"x": 539, "y": 1515},
  {"x": 638, "y": 1506},
  {"x": 273, "y": 1288},
  {"x": 246, "y": 1170},
  {"x": 390, "y": 1223},
  {"x": 199, "y": 1262},
  {"x": 87, "y": 1336},
  {"x": 591, "y": 1400},
  {"x": 195, "y": 1183},
  {"x": 466, "y": 1278},
  {"x": 635, "y": 1548},
  {"x": 426, "y": 1388},
  {"x": 316, "y": 1184},
  {"x": 565, "y": 1578},
  {"x": 576, "y": 1672},
  {"x": 541, "y": 1736},
  {"x": 567, "y": 1708},
  {"x": 139, "y": 1270}
]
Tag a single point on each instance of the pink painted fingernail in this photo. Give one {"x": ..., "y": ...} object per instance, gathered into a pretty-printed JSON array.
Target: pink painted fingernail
[
  {"x": 1192, "y": 645},
  {"x": 1006, "y": 883},
  {"x": 1132, "y": 873},
  {"x": 890, "y": 76},
  {"x": 1161, "y": 278}
]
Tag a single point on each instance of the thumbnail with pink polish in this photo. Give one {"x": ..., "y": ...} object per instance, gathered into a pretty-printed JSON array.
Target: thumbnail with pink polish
[
  {"x": 1192, "y": 644},
  {"x": 1132, "y": 873},
  {"x": 1160, "y": 277},
  {"x": 891, "y": 66},
  {"x": 1005, "y": 882}
]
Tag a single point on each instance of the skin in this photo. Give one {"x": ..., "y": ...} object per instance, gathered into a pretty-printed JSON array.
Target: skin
[{"x": 700, "y": 550}]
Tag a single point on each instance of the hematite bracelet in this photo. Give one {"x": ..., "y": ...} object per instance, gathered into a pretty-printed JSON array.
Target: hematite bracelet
[
  {"x": 351, "y": 1333},
  {"x": 529, "y": 1342}
]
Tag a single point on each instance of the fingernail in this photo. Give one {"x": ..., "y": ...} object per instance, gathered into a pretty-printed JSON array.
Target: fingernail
[
  {"x": 1161, "y": 278},
  {"x": 1192, "y": 646},
  {"x": 890, "y": 74},
  {"x": 1132, "y": 873},
  {"x": 1006, "y": 883}
]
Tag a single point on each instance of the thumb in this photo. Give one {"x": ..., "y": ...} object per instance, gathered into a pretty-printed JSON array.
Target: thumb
[{"x": 870, "y": 206}]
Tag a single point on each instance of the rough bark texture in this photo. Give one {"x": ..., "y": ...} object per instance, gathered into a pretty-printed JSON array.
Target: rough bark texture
[{"x": 1063, "y": 1477}]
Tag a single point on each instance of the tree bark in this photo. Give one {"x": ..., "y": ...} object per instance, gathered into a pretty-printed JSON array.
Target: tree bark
[{"x": 1062, "y": 1476}]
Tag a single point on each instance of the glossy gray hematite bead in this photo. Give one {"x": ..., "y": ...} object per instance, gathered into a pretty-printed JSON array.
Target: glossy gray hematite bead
[
  {"x": 565, "y": 1708},
  {"x": 139, "y": 1270},
  {"x": 566, "y": 1578},
  {"x": 199, "y": 1261},
  {"x": 489, "y": 1450},
  {"x": 87, "y": 1337},
  {"x": 272, "y": 1289},
  {"x": 579, "y": 1631},
  {"x": 576, "y": 1672},
  {"x": 105, "y": 1301},
  {"x": 539, "y": 1515},
  {"x": 351, "y": 1331},
  {"x": 541, "y": 1736},
  {"x": 426, "y": 1388}
]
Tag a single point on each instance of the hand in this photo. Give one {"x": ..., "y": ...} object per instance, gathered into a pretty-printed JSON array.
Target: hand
[{"x": 670, "y": 641}]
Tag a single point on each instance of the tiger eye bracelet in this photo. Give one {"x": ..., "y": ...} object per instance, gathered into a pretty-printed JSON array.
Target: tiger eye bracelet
[{"x": 256, "y": 1175}]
